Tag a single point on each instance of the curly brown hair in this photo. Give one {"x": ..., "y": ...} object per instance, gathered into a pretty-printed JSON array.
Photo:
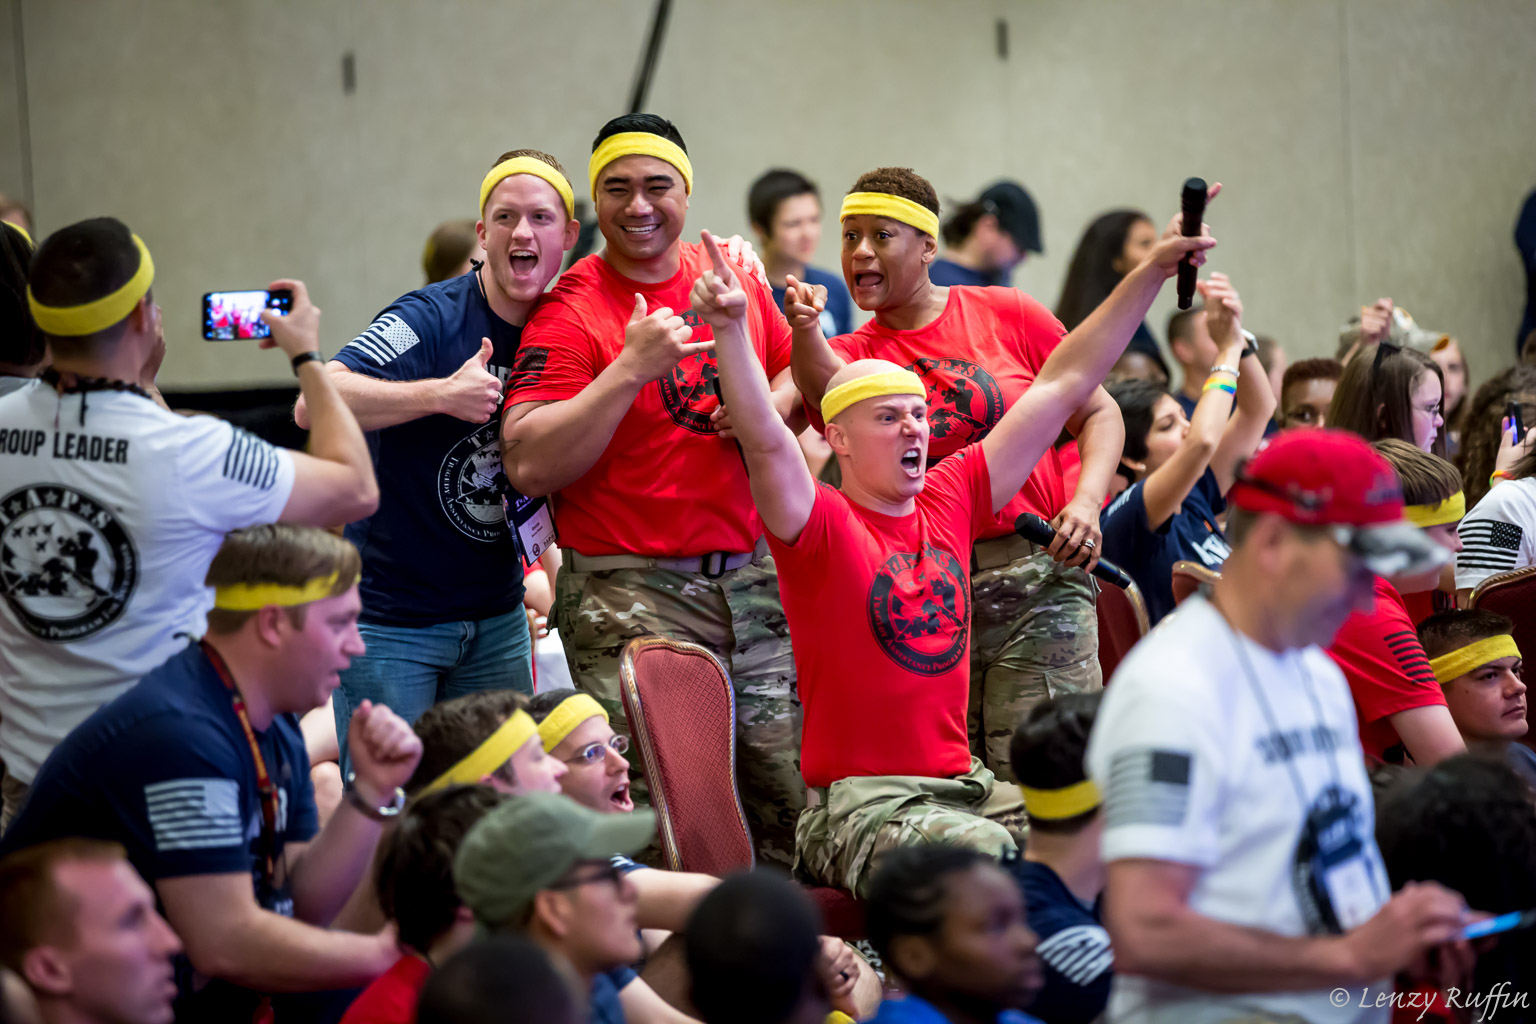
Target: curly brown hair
[
  {"x": 898, "y": 181},
  {"x": 1481, "y": 427}
]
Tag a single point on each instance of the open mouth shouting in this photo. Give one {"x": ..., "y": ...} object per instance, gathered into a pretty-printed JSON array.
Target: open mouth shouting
[
  {"x": 523, "y": 262},
  {"x": 912, "y": 461},
  {"x": 868, "y": 280},
  {"x": 620, "y": 798}
]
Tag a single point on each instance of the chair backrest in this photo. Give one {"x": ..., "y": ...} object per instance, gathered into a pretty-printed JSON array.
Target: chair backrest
[
  {"x": 1189, "y": 577},
  {"x": 682, "y": 714},
  {"x": 1122, "y": 621},
  {"x": 1512, "y": 594}
]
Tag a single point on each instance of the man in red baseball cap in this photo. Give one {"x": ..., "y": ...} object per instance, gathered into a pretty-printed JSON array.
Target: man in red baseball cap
[{"x": 1243, "y": 875}]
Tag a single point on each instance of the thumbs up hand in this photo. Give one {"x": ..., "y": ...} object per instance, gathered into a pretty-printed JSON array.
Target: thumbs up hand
[{"x": 472, "y": 393}]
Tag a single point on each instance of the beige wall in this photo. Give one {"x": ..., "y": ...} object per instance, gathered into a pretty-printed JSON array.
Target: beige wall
[{"x": 1368, "y": 146}]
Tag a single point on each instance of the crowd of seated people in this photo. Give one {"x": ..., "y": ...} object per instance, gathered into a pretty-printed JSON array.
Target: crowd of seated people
[{"x": 278, "y": 744}]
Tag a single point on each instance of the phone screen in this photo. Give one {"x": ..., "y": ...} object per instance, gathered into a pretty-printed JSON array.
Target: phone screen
[{"x": 232, "y": 316}]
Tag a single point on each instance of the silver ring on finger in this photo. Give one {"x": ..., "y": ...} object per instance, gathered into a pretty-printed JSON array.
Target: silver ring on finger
[{"x": 1088, "y": 543}]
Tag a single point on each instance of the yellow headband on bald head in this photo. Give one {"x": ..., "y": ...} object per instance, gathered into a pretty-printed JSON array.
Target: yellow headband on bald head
[
  {"x": 1060, "y": 804},
  {"x": 883, "y": 204},
  {"x": 98, "y": 314},
  {"x": 639, "y": 144},
  {"x": 249, "y": 597},
  {"x": 1451, "y": 510},
  {"x": 1475, "y": 655},
  {"x": 536, "y": 167},
  {"x": 568, "y": 714},
  {"x": 893, "y": 382},
  {"x": 497, "y": 749}
]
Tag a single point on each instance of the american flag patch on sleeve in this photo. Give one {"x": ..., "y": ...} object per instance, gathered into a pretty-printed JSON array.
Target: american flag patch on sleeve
[
  {"x": 1490, "y": 545},
  {"x": 387, "y": 337},
  {"x": 1148, "y": 787},
  {"x": 194, "y": 814}
]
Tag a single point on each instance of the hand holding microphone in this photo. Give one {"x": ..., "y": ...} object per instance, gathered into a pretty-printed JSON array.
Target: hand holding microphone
[
  {"x": 1192, "y": 203},
  {"x": 1032, "y": 528}
]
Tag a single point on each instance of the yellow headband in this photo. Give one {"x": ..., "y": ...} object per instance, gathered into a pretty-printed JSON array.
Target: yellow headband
[
  {"x": 568, "y": 714},
  {"x": 1060, "y": 804},
  {"x": 1475, "y": 655},
  {"x": 536, "y": 167},
  {"x": 1451, "y": 510},
  {"x": 99, "y": 314},
  {"x": 497, "y": 749},
  {"x": 639, "y": 144},
  {"x": 883, "y": 204},
  {"x": 893, "y": 382},
  {"x": 248, "y": 597}
]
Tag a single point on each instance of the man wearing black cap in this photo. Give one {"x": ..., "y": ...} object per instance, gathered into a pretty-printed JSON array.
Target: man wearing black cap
[
  {"x": 984, "y": 240},
  {"x": 1243, "y": 875}
]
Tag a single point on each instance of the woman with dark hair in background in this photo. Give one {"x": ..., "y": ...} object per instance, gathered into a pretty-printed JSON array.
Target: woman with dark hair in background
[
  {"x": 1113, "y": 244},
  {"x": 1483, "y": 435},
  {"x": 23, "y": 349},
  {"x": 1392, "y": 391}
]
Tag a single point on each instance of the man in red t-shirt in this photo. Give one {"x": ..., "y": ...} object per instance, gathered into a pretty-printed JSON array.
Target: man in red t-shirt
[
  {"x": 1034, "y": 629},
  {"x": 875, "y": 578},
  {"x": 613, "y": 412},
  {"x": 1398, "y": 702}
]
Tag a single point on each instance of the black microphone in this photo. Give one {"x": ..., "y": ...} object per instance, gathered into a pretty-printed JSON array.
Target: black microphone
[
  {"x": 1193, "y": 202},
  {"x": 1032, "y": 528}
]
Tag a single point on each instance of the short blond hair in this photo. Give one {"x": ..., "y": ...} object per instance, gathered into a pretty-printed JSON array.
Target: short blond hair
[{"x": 283, "y": 554}]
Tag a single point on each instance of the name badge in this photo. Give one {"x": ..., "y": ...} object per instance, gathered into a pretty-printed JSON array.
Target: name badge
[
  {"x": 532, "y": 523},
  {"x": 1350, "y": 892}
]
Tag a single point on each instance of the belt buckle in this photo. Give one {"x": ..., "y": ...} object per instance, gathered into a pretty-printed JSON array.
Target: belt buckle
[{"x": 714, "y": 558}]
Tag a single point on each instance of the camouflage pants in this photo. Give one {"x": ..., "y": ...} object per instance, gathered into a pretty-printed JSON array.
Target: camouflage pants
[
  {"x": 847, "y": 826},
  {"x": 738, "y": 617},
  {"x": 1034, "y": 634}
]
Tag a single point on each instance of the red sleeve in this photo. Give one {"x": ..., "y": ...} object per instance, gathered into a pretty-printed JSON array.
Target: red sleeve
[
  {"x": 557, "y": 356},
  {"x": 1382, "y": 658},
  {"x": 816, "y": 536},
  {"x": 960, "y": 488}
]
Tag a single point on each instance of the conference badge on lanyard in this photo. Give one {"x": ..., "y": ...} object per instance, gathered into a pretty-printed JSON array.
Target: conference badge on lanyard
[
  {"x": 1334, "y": 874},
  {"x": 532, "y": 523}
]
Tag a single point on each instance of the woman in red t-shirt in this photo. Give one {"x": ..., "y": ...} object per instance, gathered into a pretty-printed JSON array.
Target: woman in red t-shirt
[{"x": 1033, "y": 628}]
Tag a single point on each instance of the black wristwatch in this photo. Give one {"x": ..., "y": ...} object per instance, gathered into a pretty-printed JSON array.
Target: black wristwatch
[
  {"x": 387, "y": 812},
  {"x": 305, "y": 357}
]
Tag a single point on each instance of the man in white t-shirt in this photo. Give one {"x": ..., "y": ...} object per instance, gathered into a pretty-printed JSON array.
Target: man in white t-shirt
[
  {"x": 112, "y": 506},
  {"x": 1243, "y": 875}
]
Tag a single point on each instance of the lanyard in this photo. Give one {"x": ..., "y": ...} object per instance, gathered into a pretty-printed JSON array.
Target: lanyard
[{"x": 264, "y": 787}]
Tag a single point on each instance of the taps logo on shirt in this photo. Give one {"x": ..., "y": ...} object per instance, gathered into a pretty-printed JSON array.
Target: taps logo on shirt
[
  {"x": 688, "y": 392},
  {"x": 964, "y": 402},
  {"x": 471, "y": 482},
  {"x": 919, "y": 610},
  {"x": 67, "y": 566}
]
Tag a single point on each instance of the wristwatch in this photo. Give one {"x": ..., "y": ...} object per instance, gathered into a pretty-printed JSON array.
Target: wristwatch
[
  {"x": 387, "y": 812},
  {"x": 1252, "y": 348}
]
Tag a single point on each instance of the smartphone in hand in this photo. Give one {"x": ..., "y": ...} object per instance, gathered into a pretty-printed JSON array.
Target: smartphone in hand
[{"x": 235, "y": 316}]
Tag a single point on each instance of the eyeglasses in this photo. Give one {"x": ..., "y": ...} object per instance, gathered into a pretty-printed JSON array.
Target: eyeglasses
[
  {"x": 607, "y": 873},
  {"x": 595, "y": 752}
]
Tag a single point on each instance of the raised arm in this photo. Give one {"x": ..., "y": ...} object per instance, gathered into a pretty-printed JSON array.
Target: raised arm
[
  {"x": 548, "y": 445},
  {"x": 1255, "y": 409},
  {"x": 334, "y": 482},
  {"x": 782, "y": 486},
  {"x": 471, "y": 393},
  {"x": 1079, "y": 363},
  {"x": 811, "y": 358}
]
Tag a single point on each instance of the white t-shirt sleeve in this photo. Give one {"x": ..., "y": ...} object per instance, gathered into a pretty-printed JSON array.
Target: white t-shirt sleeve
[
  {"x": 1158, "y": 758},
  {"x": 230, "y": 478},
  {"x": 1499, "y": 534}
]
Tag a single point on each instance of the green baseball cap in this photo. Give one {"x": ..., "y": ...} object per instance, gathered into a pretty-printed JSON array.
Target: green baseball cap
[{"x": 530, "y": 842}]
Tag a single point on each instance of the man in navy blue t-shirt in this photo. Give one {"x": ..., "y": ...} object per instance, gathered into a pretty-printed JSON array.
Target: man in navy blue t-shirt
[
  {"x": 200, "y": 772},
  {"x": 442, "y": 573},
  {"x": 785, "y": 209},
  {"x": 985, "y": 240},
  {"x": 1060, "y": 873}
]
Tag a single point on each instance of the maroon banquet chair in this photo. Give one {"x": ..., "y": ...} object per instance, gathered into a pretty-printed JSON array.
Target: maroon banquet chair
[
  {"x": 1511, "y": 594},
  {"x": 682, "y": 714},
  {"x": 1123, "y": 621},
  {"x": 1189, "y": 577}
]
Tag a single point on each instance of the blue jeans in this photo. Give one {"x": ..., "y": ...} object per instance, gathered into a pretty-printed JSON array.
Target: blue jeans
[{"x": 410, "y": 668}]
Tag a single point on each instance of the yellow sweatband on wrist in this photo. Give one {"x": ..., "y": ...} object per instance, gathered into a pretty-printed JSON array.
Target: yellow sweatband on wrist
[
  {"x": 1451, "y": 510},
  {"x": 1475, "y": 655},
  {"x": 248, "y": 597},
  {"x": 536, "y": 167},
  {"x": 497, "y": 749},
  {"x": 883, "y": 204},
  {"x": 568, "y": 714},
  {"x": 639, "y": 144},
  {"x": 98, "y": 314},
  {"x": 893, "y": 382},
  {"x": 1060, "y": 804}
]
